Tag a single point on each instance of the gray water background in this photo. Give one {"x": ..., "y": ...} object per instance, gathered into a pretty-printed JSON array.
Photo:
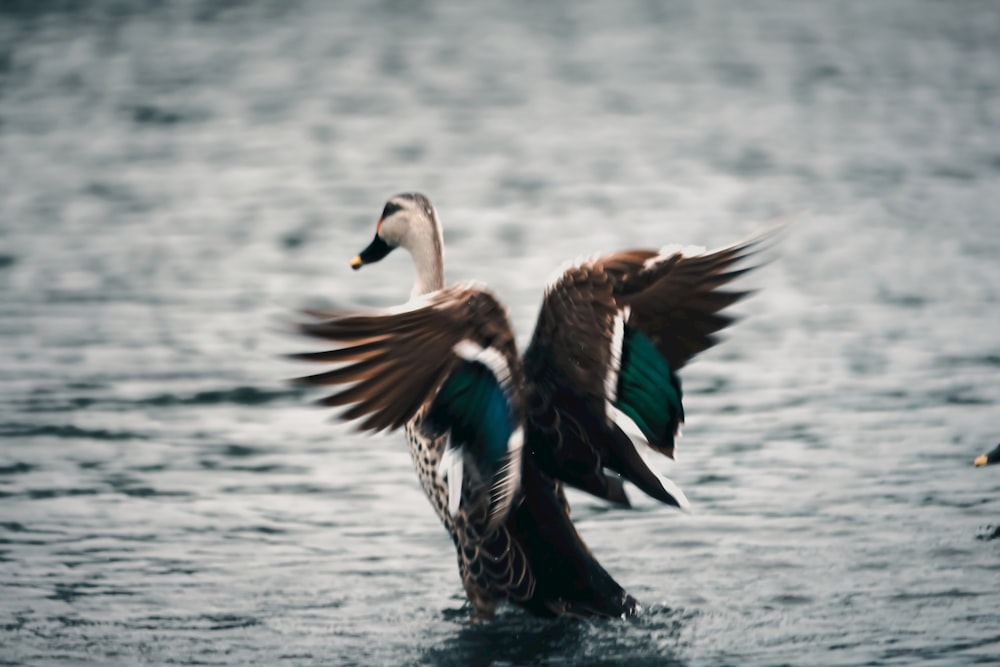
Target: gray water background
[{"x": 176, "y": 180}]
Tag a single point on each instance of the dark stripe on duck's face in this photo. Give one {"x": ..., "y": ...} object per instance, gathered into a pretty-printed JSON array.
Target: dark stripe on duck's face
[
  {"x": 390, "y": 208},
  {"x": 375, "y": 251}
]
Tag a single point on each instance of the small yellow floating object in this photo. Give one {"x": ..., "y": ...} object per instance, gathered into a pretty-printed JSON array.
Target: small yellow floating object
[{"x": 988, "y": 458}]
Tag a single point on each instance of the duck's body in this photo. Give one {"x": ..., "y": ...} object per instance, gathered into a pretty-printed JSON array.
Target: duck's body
[{"x": 493, "y": 436}]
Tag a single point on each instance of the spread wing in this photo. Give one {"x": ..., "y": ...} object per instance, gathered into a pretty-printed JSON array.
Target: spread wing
[
  {"x": 451, "y": 354},
  {"x": 611, "y": 335}
]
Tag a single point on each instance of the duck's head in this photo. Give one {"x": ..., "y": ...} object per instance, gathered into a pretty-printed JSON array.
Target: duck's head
[
  {"x": 989, "y": 458},
  {"x": 409, "y": 221}
]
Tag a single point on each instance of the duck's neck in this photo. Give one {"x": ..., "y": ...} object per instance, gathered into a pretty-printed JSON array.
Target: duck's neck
[
  {"x": 428, "y": 261},
  {"x": 430, "y": 277}
]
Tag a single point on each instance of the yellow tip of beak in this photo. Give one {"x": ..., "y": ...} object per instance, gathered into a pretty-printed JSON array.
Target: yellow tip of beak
[
  {"x": 980, "y": 460},
  {"x": 356, "y": 262}
]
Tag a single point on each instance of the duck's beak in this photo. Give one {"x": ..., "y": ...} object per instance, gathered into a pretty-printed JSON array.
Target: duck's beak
[
  {"x": 989, "y": 458},
  {"x": 375, "y": 251}
]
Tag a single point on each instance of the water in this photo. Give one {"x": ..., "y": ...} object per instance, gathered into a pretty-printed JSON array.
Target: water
[{"x": 175, "y": 181}]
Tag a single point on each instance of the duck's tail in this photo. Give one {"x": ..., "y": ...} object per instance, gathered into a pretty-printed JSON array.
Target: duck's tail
[{"x": 568, "y": 579}]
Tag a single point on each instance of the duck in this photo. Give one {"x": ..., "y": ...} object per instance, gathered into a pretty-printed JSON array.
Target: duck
[
  {"x": 989, "y": 458},
  {"x": 496, "y": 436}
]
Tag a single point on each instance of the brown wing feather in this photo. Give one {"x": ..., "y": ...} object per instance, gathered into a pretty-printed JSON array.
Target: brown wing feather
[
  {"x": 673, "y": 298},
  {"x": 565, "y": 366},
  {"x": 394, "y": 362},
  {"x": 358, "y": 351}
]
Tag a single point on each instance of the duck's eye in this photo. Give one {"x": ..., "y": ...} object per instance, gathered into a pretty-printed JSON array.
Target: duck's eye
[{"x": 389, "y": 209}]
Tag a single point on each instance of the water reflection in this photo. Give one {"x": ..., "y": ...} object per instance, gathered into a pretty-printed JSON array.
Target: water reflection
[{"x": 512, "y": 638}]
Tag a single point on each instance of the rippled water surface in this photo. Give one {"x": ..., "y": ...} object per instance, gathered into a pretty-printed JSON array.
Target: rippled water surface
[{"x": 175, "y": 182}]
